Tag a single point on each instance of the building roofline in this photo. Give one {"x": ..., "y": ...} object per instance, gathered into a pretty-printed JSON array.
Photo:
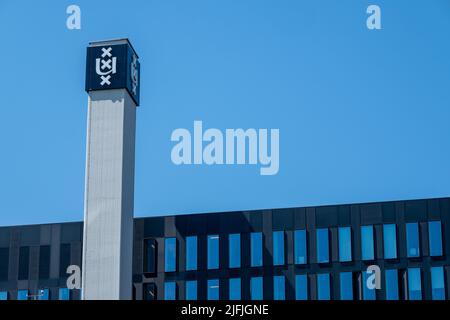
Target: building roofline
[
  {"x": 244, "y": 210},
  {"x": 112, "y": 42}
]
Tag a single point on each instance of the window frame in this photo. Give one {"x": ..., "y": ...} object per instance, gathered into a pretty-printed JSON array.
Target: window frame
[
  {"x": 213, "y": 249},
  {"x": 325, "y": 247},
  {"x": 300, "y": 246},
  {"x": 191, "y": 253},
  {"x": 234, "y": 250},
  {"x": 256, "y": 249},
  {"x": 170, "y": 261},
  {"x": 343, "y": 243},
  {"x": 367, "y": 249},
  {"x": 279, "y": 248}
]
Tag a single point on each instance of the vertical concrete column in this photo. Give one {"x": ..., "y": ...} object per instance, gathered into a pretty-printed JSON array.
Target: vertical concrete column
[{"x": 112, "y": 85}]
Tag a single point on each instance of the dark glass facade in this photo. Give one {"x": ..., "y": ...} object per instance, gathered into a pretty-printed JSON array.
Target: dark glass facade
[{"x": 313, "y": 253}]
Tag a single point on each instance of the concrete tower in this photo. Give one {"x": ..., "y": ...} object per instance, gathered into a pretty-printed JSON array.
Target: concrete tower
[{"x": 112, "y": 83}]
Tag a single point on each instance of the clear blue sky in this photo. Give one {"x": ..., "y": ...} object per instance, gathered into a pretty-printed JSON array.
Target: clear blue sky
[{"x": 363, "y": 115}]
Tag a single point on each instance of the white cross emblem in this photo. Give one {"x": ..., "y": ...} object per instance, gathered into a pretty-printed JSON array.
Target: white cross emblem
[
  {"x": 134, "y": 74},
  {"x": 105, "y": 76}
]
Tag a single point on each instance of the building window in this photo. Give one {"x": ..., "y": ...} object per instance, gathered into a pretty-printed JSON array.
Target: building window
[
  {"x": 278, "y": 248},
  {"x": 345, "y": 244},
  {"x": 3, "y": 295},
  {"x": 170, "y": 290},
  {"x": 391, "y": 284},
  {"x": 44, "y": 262},
  {"x": 300, "y": 247},
  {"x": 235, "y": 289},
  {"x": 256, "y": 288},
  {"x": 22, "y": 295},
  {"x": 435, "y": 238},
  {"x": 213, "y": 289},
  {"x": 322, "y": 245},
  {"x": 412, "y": 240},
  {"x": 63, "y": 294},
  {"x": 301, "y": 287},
  {"x": 213, "y": 251},
  {"x": 256, "y": 249},
  {"x": 437, "y": 283},
  {"x": 191, "y": 253},
  {"x": 170, "y": 254},
  {"x": 367, "y": 243},
  {"x": 346, "y": 285},
  {"x": 43, "y": 294},
  {"x": 368, "y": 293},
  {"x": 149, "y": 291},
  {"x": 149, "y": 255},
  {"x": 64, "y": 259},
  {"x": 24, "y": 261},
  {"x": 279, "y": 288},
  {"x": 191, "y": 290},
  {"x": 4, "y": 264},
  {"x": 414, "y": 284},
  {"x": 390, "y": 241},
  {"x": 234, "y": 247},
  {"x": 323, "y": 286}
]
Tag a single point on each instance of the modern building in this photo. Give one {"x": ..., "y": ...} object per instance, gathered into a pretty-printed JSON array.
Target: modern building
[{"x": 312, "y": 253}]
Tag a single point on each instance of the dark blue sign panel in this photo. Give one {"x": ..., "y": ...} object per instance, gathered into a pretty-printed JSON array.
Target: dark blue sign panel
[{"x": 111, "y": 66}]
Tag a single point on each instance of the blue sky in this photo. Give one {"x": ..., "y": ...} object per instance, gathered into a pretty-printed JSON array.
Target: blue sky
[{"x": 363, "y": 115}]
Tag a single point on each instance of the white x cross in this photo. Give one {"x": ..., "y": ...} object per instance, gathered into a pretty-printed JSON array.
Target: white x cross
[
  {"x": 106, "y": 52},
  {"x": 106, "y": 64},
  {"x": 105, "y": 80}
]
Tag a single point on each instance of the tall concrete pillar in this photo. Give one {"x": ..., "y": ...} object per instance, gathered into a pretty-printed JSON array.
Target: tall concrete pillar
[{"x": 112, "y": 83}]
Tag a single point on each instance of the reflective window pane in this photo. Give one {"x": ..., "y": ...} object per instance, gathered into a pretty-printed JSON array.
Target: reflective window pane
[
  {"x": 213, "y": 289},
  {"x": 390, "y": 241},
  {"x": 64, "y": 258},
  {"x": 256, "y": 249},
  {"x": 414, "y": 284},
  {"x": 22, "y": 295},
  {"x": 3, "y": 295},
  {"x": 149, "y": 291},
  {"x": 43, "y": 294},
  {"x": 435, "y": 238},
  {"x": 213, "y": 252},
  {"x": 369, "y": 293},
  {"x": 412, "y": 240},
  {"x": 256, "y": 288},
  {"x": 191, "y": 253},
  {"x": 44, "y": 262},
  {"x": 278, "y": 248},
  {"x": 24, "y": 262},
  {"x": 300, "y": 247},
  {"x": 279, "y": 288},
  {"x": 345, "y": 244},
  {"x": 149, "y": 256},
  {"x": 391, "y": 284},
  {"x": 323, "y": 286},
  {"x": 191, "y": 290},
  {"x": 235, "y": 288},
  {"x": 4, "y": 264},
  {"x": 170, "y": 254},
  {"x": 437, "y": 283},
  {"x": 367, "y": 243},
  {"x": 63, "y": 294},
  {"x": 346, "y": 286},
  {"x": 170, "y": 290},
  {"x": 322, "y": 245},
  {"x": 234, "y": 246},
  {"x": 301, "y": 287}
]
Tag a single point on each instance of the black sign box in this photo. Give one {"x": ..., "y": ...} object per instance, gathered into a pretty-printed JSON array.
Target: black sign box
[{"x": 113, "y": 66}]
